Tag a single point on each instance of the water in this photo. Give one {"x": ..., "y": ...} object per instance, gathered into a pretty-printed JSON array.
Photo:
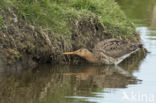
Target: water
[{"x": 132, "y": 82}]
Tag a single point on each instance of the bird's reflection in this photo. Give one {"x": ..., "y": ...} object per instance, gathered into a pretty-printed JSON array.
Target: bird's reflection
[{"x": 103, "y": 76}]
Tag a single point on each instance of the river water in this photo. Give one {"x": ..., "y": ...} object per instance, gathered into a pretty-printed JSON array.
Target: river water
[{"x": 134, "y": 81}]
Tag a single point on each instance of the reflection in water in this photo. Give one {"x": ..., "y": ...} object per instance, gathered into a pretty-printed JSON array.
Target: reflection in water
[{"x": 49, "y": 83}]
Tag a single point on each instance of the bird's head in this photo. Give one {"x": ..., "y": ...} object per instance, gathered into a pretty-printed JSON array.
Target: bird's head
[{"x": 81, "y": 52}]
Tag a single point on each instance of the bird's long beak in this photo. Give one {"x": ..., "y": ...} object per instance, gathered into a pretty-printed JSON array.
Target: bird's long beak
[{"x": 68, "y": 53}]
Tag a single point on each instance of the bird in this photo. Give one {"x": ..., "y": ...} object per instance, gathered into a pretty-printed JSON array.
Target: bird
[{"x": 109, "y": 51}]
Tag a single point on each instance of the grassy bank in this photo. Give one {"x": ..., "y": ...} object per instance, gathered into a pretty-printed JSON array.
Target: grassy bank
[
  {"x": 40, "y": 30},
  {"x": 56, "y": 15}
]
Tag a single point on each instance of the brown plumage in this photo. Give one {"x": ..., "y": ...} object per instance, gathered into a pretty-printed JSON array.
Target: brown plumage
[{"x": 110, "y": 51}]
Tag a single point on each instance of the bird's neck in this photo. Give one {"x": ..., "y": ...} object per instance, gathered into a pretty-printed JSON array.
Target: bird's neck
[{"x": 91, "y": 57}]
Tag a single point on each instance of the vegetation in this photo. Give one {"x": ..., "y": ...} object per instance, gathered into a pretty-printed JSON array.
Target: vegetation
[
  {"x": 57, "y": 15},
  {"x": 1, "y": 21}
]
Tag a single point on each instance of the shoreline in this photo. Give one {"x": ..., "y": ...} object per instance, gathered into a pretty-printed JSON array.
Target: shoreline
[{"x": 28, "y": 41}]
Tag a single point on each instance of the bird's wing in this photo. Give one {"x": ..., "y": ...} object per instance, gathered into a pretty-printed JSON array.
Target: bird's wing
[{"x": 115, "y": 48}]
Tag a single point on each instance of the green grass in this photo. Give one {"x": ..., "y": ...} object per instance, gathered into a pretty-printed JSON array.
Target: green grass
[
  {"x": 1, "y": 21},
  {"x": 108, "y": 12},
  {"x": 1, "y": 18},
  {"x": 44, "y": 13},
  {"x": 58, "y": 14}
]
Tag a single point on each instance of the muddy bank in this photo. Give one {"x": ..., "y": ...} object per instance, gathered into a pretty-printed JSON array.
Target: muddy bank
[{"x": 24, "y": 45}]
